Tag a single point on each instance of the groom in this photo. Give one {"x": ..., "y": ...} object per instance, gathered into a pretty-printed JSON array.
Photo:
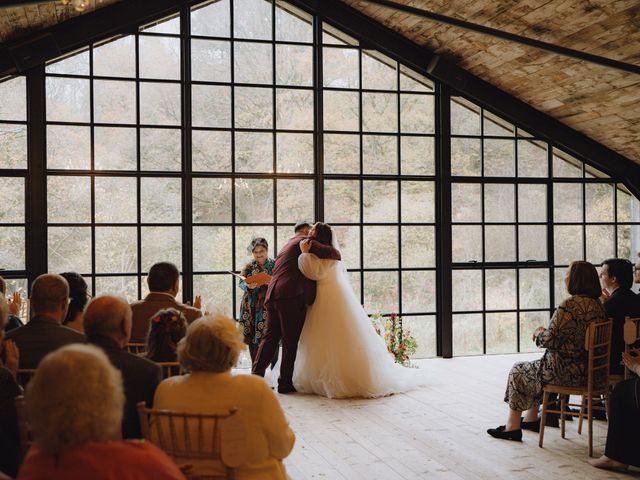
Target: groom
[{"x": 287, "y": 298}]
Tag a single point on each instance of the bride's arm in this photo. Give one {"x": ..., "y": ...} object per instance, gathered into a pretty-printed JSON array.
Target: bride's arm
[{"x": 311, "y": 266}]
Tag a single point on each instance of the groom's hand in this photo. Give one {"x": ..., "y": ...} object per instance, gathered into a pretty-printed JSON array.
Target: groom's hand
[{"x": 305, "y": 246}]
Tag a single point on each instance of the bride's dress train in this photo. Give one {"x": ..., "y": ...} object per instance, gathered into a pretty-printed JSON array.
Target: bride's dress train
[{"x": 340, "y": 355}]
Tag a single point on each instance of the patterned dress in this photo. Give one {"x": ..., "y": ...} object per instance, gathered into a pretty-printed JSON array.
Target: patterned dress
[
  {"x": 253, "y": 314},
  {"x": 564, "y": 361}
]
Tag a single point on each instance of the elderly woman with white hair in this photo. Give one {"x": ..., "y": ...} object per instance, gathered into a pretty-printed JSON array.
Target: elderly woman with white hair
[
  {"x": 208, "y": 352},
  {"x": 74, "y": 405}
]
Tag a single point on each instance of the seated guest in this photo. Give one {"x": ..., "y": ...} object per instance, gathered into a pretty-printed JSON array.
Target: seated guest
[
  {"x": 74, "y": 405},
  {"x": 166, "y": 329},
  {"x": 209, "y": 351},
  {"x": 624, "y": 422},
  {"x": 620, "y": 301},
  {"x": 13, "y": 321},
  {"x": 44, "y": 332},
  {"x": 107, "y": 324},
  {"x": 164, "y": 282},
  {"x": 9, "y": 390},
  {"x": 564, "y": 361},
  {"x": 79, "y": 296}
]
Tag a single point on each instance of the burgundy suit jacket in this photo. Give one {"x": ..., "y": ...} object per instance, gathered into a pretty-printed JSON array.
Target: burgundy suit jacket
[{"x": 287, "y": 280}]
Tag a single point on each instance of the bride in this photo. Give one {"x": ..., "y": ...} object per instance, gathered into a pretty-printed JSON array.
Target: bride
[{"x": 340, "y": 354}]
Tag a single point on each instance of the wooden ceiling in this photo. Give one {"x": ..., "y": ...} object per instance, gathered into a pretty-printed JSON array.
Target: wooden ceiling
[
  {"x": 597, "y": 101},
  {"x": 600, "y": 102}
]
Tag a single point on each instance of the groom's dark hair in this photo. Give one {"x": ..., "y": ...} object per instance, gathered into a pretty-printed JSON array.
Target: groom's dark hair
[
  {"x": 301, "y": 226},
  {"x": 323, "y": 233}
]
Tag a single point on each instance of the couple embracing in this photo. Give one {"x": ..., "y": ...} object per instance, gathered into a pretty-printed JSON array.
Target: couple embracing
[{"x": 329, "y": 346}]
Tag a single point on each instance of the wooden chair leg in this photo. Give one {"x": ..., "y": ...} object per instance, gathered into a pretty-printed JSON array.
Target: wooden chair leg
[
  {"x": 562, "y": 406},
  {"x": 543, "y": 418},
  {"x": 590, "y": 420},
  {"x": 582, "y": 413}
]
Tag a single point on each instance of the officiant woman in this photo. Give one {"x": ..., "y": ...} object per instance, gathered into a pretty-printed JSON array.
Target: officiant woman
[{"x": 253, "y": 313}]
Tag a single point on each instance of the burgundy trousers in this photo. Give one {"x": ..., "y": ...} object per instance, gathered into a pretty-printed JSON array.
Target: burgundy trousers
[{"x": 285, "y": 322}]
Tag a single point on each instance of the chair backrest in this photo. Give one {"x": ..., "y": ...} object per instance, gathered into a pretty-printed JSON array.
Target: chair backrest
[
  {"x": 598, "y": 344},
  {"x": 187, "y": 436},
  {"x": 136, "y": 348},
  {"x": 23, "y": 427},
  {"x": 23, "y": 375},
  {"x": 170, "y": 369}
]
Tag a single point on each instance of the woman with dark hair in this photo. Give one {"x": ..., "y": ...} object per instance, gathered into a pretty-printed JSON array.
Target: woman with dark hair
[
  {"x": 253, "y": 313},
  {"x": 564, "y": 361},
  {"x": 166, "y": 329},
  {"x": 78, "y": 299},
  {"x": 340, "y": 354}
]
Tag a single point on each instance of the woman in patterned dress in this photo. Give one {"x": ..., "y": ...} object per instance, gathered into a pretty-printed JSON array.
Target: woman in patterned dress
[
  {"x": 253, "y": 313},
  {"x": 564, "y": 361}
]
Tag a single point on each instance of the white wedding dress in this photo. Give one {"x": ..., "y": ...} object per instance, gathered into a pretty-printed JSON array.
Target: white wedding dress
[{"x": 340, "y": 355}]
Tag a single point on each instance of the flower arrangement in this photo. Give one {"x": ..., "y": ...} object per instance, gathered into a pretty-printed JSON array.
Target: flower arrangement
[{"x": 399, "y": 340}]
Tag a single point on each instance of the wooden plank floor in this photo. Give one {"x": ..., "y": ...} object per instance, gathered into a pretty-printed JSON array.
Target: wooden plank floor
[{"x": 436, "y": 432}]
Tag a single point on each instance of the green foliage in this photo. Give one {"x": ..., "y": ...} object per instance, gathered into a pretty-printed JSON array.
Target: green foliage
[{"x": 399, "y": 340}]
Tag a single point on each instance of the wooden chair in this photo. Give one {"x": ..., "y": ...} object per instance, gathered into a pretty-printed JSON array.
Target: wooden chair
[
  {"x": 631, "y": 339},
  {"x": 136, "y": 348},
  {"x": 170, "y": 369},
  {"x": 598, "y": 345},
  {"x": 23, "y": 375},
  {"x": 191, "y": 437},
  {"x": 23, "y": 427}
]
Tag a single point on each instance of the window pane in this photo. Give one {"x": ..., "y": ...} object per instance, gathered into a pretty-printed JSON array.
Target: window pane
[
  {"x": 169, "y": 26},
  {"x": 160, "y": 149},
  {"x": 68, "y": 147},
  {"x": 502, "y": 331},
  {"x": 628, "y": 206},
  {"x": 567, "y": 244},
  {"x": 341, "y": 111},
  {"x": 74, "y": 64},
  {"x": 212, "y": 249},
  {"x": 116, "y": 250},
  {"x": 64, "y": 208},
  {"x": 114, "y": 148},
  {"x": 114, "y": 101},
  {"x": 349, "y": 243},
  {"x": 380, "y": 113},
  {"x": 161, "y": 244},
  {"x": 559, "y": 287},
  {"x": 216, "y": 292},
  {"x": 600, "y": 243},
  {"x": 295, "y": 152},
  {"x": 500, "y": 289},
  {"x": 417, "y": 155},
  {"x": 12, "y": 193},
  {"x": 126, "y": 287},
  {"x": 500, "y": 243},
  {"x": 416, "y": 113},
  {"x": 423, "y": 329},
  {"x": 418, "y": 202},
  {"x": 532, "y": 159},
  {"x": 211, "y": 106},
  {"x": 252, "y": 19},
  {"x": 419, "y": 291},
  {"x": 465, "y": 157},
  {"x": 342, "y": 201},
  {"x": 67, "y": 99},
  {"x": 341, "y": 153},
  {"x": 499, "y": 203},
  {"x": 380, "y": 201},
  {"x": 294, "y": 109},
  {"x": 210, "y": 60},
  {"x": 499, "y": 158},
  {"x": 254, "y": 152},
  {"x": 243, "y": 236},
  {"x": 380, "y": 247},
  {"x": 293, "y": 25},
  {"x": 254, "y": 200},
  {"x": 12, "y": 248},
  {"x": 340, "y": 67},
  {"x": 465, "y": 117},
  {"x": 211, "y": 151},
  {"x": 381, "y": 292},
  {"x": 378, "y": 71},
  {"x": 211, "y": 20},
  {"x": 116, "y": 58},
  {"x": 599, "y": 202},
  {"x": 466, "y": 243},
  {"x": 534, "y": 288},
  {"x": 211, "y": 200},
  {"x": 411, "y": 81},
  {"x": 529, "y": 321},
  {"x": 467, "y": 334},
  {"x": 254, "y": 107},
  {"x": 532, "y": 203},
  {"x": 69, "y": 249},
  {"x": 628, "y": 241},
  {"x": 532, "y": 242},
  {"x": 466, "y": 290},
  {"x": 252, "y": 63},
  {"x": 295, "y": 200},
  {"x": 379, "y": 154},
  {"x": 496, "y": 126},
  {"x": 564, "y": 165},
  {"x": 356, "y": 284},
  {"x": 116, "y": 200},
  {"x": 159, "y": 57},
  {"x": 160, "y": 104},
  {"x": 13, "y": 99},
  {"x": 13, "y": 142},
  {"x": 465, "y": 203},
  {"x": 567, "y": 202},
  {"x": 160, "y": 200},
  {"x": 418, "y": 246},
  {"x": 294, "y": 65}
]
